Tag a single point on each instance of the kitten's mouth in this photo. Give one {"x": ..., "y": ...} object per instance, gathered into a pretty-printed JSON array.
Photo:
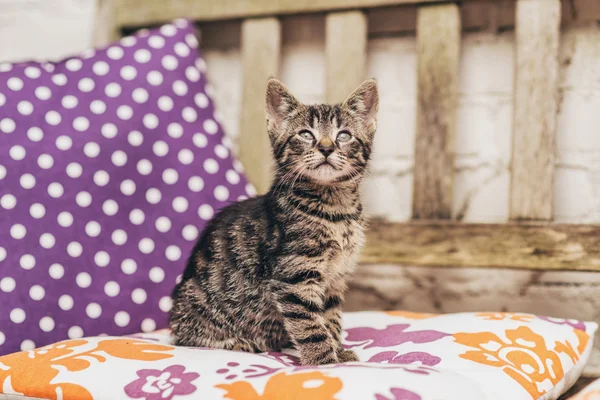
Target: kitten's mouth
[{"x": 325, "y": 164}]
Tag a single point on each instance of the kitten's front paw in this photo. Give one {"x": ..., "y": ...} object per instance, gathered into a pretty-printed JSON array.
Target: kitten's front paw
[
  {"x": 347, "y": 356},
  {"x": 318, "y": 359}
]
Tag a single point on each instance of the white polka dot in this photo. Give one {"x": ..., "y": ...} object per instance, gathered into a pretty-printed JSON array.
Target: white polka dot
[
  {"x": 25, "y": 107},
  {"x": 122, "y": 319},
  {"x": 65, "y": 219},
  {"x": 7, "y": 125},
  {"x": 112, "y": 90},
  {"x": 7, "y": 284},
  {"x": 15, "y": 84},
  {"x": 37, "y": 293},
  {"x": 237, "y": 165},
  {"x": 100, "y": 68},
  {"x": 109, "y": 131},
  {"x": 156, "y": 42},
  {"x": 173, "y": 253},
  {"x": 168, "y": 30},
  {"x": 140, "y": 95},
  {"x": 97, "y": 107},
  {"x": 144, "y": 167},
  {"x": 180, "y": 204},
  {"x": 115, "y": 53},
  {"x": 180, "y": 88},
  {"x": 56, "y": 271},
  {"x": 160, "y": 148},
  {"x": 101, "y": 178},
  {"x": 83, "y": 280},
  {"x": 91, "y": 149},
  {"x": 169, "y": 62},
  {"x": 27, "y": 261},
  {"x": 17, "y": 315},
  {"x": 154, "y": 78},
  {"x": 74, "y": 64},
  {"x": 102, "y": 258},
  {"x": 165, "y": 103},
  {"x": 47, "y": 324},
  {"x": 153, "y": 196},
  {"x": 8, "y": 201},
  {"x": 119, "y": 158},
  {"x": 81, "y": 124},
  {"x": 156, "y": 274},
  {"x": 33, "y": 72},
  {"x": 18, "y": 231},
  {"x": 200, "y": 140},
  {"x": 150, "y": 121},
  {"x": 190, "y": 232},
  {"x": 83, "y": 199},
  {"x": 170, "y": 176},
  {"x": 165, "y": 304},
  {"x": 221, "y": 193},
  {"x": 142, "y": 56},
  {"x": 211, "y": 166},
  {"x": 205, "y": 211},
  {"x": 192, "y": 74},
  {"x": 3, "y": 338},
  {"x": 27, "y": 181},
  {"x": 189, "y": 114},
  {"x": 110, "y": 207},
  {"x": 191, "y": 40},
  {"x": 74, "y": 249},
  {"x": 128, "y": 266},
  {"x": 148, "y": 325},
  {"x": 69, "y": 102},
  {"x": 163, "y": 224},
  {"x": 250, "y": 189},
  {"x": 17, "y": 153},
  {"x": 2, "y": 253},
  {"x": 27, "y": 345},
  {"x": 128, "y": 41},
  {"x": 221, "y": 151},
  {"x": 45, "y": 161},
  {"x": 55, "y": 190},
  {"x": 119, "y": 237},
  {"x": 208, "y": 88},
  {"x": 59, "y": 79},
  {"x": 185, "y": 156},
  {"x": 112, "y": 289},
  {"x": 93, "y": 310},
  {"x": 137, "y": 216},
  {"x": 125, "y": 112},
  {"x": 37, "y": 210},
  {"x": 210, "y": 126},
  {"x": 195, "y": 184},
  {"x": 201, "y": 100},
  {"x": 128, "y": 72},
  {"x": 232, "y": 177},
  {"x": 75, "y": 332},
  {"x": 2, "y": 172},
  {"x": 64, "y": 143},
  {"x": 74, "y": 170},
  {"x": 146, "y": 245},
  {"x": 65, "y": 302},
  {"x": 47, "y": 240},
  {"x": 175, "y": 130},
  {"x": 181, "y": 49},
  {"x": 86, "y": 85},
  {"x": 139, "y": 296},
  {"x": 128, "y": 187},
  {"x": 43, "y": 93}
]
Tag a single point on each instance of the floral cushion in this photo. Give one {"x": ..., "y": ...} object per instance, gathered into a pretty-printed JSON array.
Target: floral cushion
[
  {"x": 591, "y": 392},
  {"x": 404, "y": 356}
]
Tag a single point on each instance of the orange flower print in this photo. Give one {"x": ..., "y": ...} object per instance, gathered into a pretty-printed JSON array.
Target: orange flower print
[
  {"x": 499, "y": 316},
  {"x": 31, "y": 372},
  {"x": 295, "y": 386},
  {"x": 524, "y": 356},
  {"x": 410, "y": 315}
]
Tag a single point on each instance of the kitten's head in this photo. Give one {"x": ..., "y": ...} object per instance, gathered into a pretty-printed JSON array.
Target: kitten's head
[{"x": 326, "y": 144}]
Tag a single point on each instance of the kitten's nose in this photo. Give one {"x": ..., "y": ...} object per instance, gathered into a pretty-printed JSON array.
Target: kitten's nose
[{"x": 326, "y": 146}]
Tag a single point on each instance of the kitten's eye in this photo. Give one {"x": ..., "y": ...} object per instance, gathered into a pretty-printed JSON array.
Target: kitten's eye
[
  {"x": 306, "y": 135},
  {"x": 343, "y": 136}
]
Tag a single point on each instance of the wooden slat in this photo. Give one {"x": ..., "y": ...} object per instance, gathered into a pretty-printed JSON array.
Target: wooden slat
[
  {"x": 261, "y": 46},
  {"x": 438, "y": 52},
  {"x": 105, "y": 24},
  {"x": 524, "y": 246},
  {"x": 535, "y": 108},
  {"x": 345, "y": 53}
]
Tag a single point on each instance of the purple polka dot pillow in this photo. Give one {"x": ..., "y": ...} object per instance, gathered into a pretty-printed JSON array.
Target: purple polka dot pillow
[{"x": 110, "y": 165}]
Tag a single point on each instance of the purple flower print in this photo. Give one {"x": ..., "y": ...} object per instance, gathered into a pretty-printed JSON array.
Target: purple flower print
[
  {"x": 399, "y": 394},
  {"x": 559, "y": 321},
  {"x": 154, "y": 384},
  {"x": 415, "y": 357},
  {"x": 392, "y": 335}
]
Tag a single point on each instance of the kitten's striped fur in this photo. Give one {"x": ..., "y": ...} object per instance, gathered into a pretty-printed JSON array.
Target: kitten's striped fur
[{"x": 271, "y": 271}]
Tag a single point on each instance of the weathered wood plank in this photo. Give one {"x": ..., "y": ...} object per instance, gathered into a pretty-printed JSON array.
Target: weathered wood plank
[
  {"x": 105, "y": 24},
  {"x": 438, "y": 52},
  {"x": 535, "y": 109},
  {"x": 261, "y": 46},
  {"x": 523, "y": 246},
  {"x": 345, "y": 53}
]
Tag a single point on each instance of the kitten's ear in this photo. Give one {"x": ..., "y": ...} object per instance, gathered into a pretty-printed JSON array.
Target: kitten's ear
[
  {"x": 364, "y": 101},
  {"x": 280, "y": 102}
]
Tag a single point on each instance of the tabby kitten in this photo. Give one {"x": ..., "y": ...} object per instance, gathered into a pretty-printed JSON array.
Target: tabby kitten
[{"x": 271, "y": 271}]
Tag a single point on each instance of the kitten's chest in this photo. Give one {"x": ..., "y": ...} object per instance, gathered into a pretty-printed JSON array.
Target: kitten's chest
[{"x": 349, "y": 239}]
